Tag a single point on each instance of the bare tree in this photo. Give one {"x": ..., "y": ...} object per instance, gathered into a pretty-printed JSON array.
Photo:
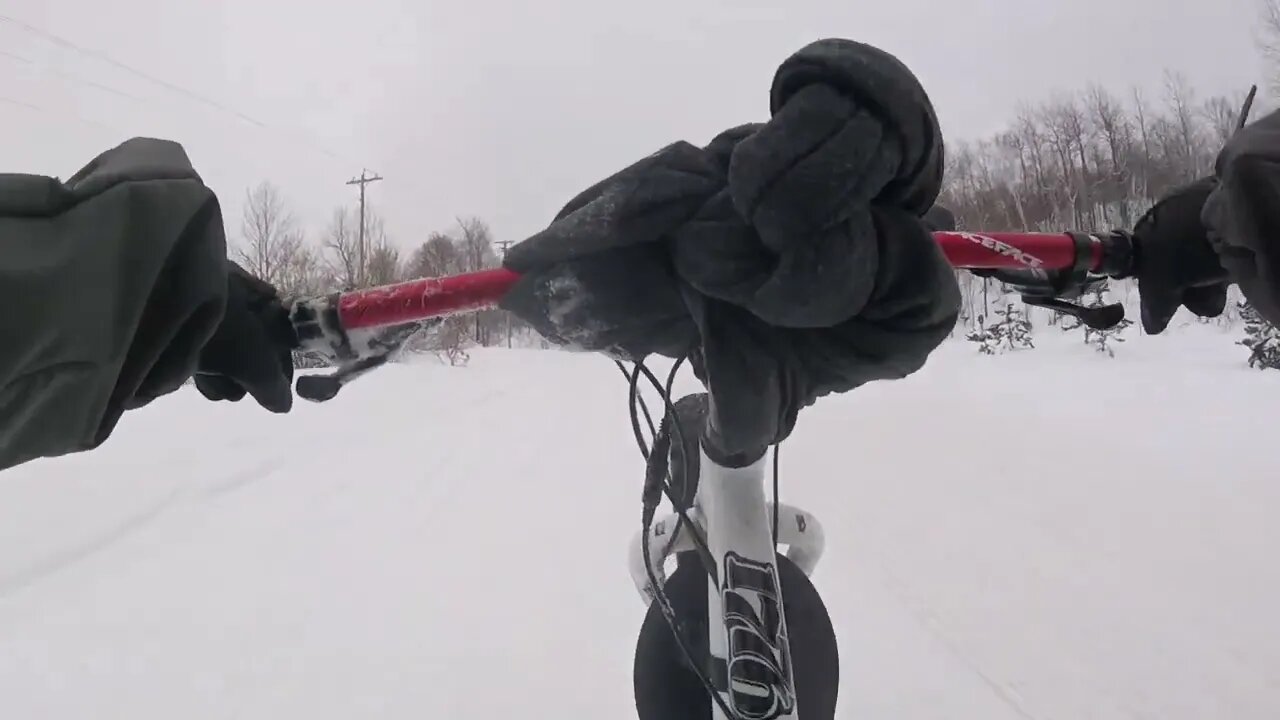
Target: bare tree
[
  {"x": 1057, "y": 119},
  {"x": 381, "y": 261},
  {"x": 1268, "y": 39},
  {"x": 1181, "y": 99},
  {"x": 1144, "y": 133},
  {"x": 1076, "y": 128},
  {"x": 1221, "y": 114},
  {"x": 270, "y": 234},
  {"x": 1033, "y": 140},
  {"x": 475, "y": 246},
  {"x": 1013, "y": 146},
  {"x": 437, "y": 256},
  {"x": 305, "y": 275},
  {"x": 1111, "y": 125},
  {"x": 475, "y": 241},
  {"x": 341, "y": 241},
  {"x": 384, "y": 264},
  {"x": 1083, "y": 161}
]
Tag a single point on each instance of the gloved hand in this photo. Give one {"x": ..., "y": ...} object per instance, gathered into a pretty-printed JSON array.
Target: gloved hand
[
  {"x": 251, "y": 351},
  {"x": 1176, "y": 264},
  {"x": 1243, "y": 213},
  {"x": 789, "y": 258}
]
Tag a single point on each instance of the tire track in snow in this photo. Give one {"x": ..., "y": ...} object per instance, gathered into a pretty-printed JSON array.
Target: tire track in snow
[
  {"x": 931, "y": 625},
  {"x": 76, "y": 554},
  {"x": 440, "y": 494},
  {"x": 435, "y": 487},
  {"x": 243, "y": 478},
  {"x": 70, "y": 557},
  {"x": 437, "y": 492}
]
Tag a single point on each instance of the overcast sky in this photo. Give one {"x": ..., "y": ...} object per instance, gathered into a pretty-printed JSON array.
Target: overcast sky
[{"x": 506, "y": 109}]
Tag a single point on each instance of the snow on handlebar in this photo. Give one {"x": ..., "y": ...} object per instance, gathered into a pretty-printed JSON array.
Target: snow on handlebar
[{"x": 357, "y": 329}]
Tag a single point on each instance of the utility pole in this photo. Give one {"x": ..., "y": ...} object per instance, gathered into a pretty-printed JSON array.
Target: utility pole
[
  {"x": 504, "y": 244},
  {"x": 362, "y": 181}
]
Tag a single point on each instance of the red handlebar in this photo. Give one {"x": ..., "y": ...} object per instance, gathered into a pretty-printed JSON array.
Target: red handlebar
[
  {"x": 425, "y": 298},
  {"x": 345, "y": 326},
  {"x": 437, "y": 297}
]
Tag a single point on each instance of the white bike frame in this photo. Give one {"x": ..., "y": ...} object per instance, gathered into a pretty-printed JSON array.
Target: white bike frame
[{"x": 745, "y": 617}]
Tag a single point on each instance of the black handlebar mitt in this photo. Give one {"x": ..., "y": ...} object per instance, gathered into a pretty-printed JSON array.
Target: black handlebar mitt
[
  {"x": 813, "y": 268},
  {"x": 789, "y": 257}
]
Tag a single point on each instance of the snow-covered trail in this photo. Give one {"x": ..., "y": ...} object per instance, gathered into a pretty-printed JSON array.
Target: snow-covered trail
[
  {"x": 411, "y": 556},
  {"x": 445, "y": 542}
]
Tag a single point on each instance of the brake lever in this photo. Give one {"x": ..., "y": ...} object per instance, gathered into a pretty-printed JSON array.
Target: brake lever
[
  {"x": 318, "y": 330},
  {"x": 1102, "y": 317},
  {"x": 319, "y": 388}
]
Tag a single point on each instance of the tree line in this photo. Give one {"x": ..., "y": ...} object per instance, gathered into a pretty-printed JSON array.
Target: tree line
[{"x": 1091, "y": 160}]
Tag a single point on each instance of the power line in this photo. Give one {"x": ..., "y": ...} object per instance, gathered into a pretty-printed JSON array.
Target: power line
[
  {"x": 103, "y": 57},
  {"x": 62, "y": 114},
  {"x": 69, "y": 76},
  {"x": 172, "y": 87},
  {"x": 19, "y": 103},
  {"x": 19, "y": 58},
  {"x": 192, "y": 95}
]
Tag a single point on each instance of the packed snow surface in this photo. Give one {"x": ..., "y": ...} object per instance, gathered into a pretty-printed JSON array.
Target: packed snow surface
[{"x": 1049, "y": 535}]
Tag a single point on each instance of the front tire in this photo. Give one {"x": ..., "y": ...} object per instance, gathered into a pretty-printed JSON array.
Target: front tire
[{"x": 666, "y": 688}]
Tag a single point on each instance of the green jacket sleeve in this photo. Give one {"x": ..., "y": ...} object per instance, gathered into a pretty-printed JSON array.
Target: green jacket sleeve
[{"x": 110, "y": 284}]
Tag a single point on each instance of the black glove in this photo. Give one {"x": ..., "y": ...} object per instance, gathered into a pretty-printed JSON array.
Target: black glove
[
  {"x": 252, "y": 348},
  {"x": 940, "y": 219},
  {"x": 789, "y": 257},
  {"x": 1243, "y": 213},
  {"x": 1177, "y": 265}
]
